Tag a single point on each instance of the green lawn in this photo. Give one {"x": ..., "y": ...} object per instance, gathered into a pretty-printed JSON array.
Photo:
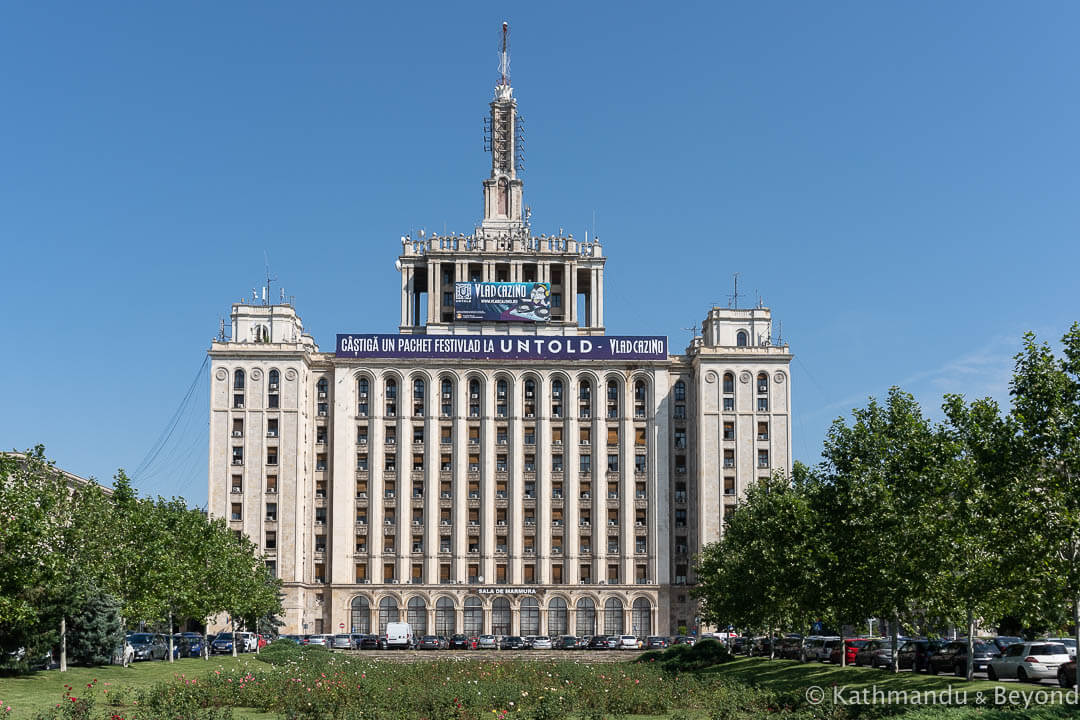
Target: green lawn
[{"x": 31, "y": 693}]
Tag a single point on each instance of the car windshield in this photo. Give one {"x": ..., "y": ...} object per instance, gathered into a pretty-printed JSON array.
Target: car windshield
[
  {"x": 224, "y": 636},
  {"x": 857, "y": 643},
  {"x": 141, "y": 638}
]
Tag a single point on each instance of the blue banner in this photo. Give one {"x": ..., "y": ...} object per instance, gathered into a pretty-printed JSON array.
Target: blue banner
[{"x": 504, "y": 347}]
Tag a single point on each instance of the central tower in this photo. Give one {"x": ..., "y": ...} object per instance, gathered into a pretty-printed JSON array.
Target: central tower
[{"x": 503, "y": 212}]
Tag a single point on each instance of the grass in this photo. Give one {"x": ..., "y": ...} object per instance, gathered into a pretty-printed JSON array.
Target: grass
[
  {"x": 29, "y": 694},
  {"x": 793, "y": 676}
]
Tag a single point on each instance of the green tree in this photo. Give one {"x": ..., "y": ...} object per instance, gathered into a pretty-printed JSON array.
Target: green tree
[
  {"x": 1046, "y": 407},
  {"x": 95, "y": 630}
]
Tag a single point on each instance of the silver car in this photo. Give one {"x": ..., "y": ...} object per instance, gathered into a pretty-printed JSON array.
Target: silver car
[
  {"x": 343, "y": 642},
  {"x": 541, "y": 642},
  {"x": 487, "y": 642},
  {"x": 1029, "y": 661}
]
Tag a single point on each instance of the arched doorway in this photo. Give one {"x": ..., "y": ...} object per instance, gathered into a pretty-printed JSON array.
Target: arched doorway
[
  {"x": 556, "y": 617},
  {"x": 388, "y": 613},
  {"x": 641, "y": 618},
  {"x": 586, "y": 618},
  {"x": 474, "y": 616},
  {"x": 613, "y": 619},
  {"x": 361, "y": 616},
  {"x": 500, "y": 616},
  {"x": 417, "y": 616},
  {"x": 444, "y": 617},
  {"x": 530, "y": 616}
]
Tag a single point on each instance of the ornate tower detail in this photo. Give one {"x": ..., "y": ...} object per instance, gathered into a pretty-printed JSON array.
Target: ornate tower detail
[{"x": 503, "y": 135}]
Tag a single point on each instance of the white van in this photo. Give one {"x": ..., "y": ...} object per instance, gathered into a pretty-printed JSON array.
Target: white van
[{"x": 398, "y": 635}]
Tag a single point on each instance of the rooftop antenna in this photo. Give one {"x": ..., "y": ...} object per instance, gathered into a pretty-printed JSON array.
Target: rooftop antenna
[
  {"x": 504, "y": 57},
  {"x": 266, "y": 289},
  {"x": 760, "y": 300},
  {"x": 733, "y": 299},
  {"x": 780, "y": 333},
  {"x": 221, "y": 329},
  {"x": 692, "y": 330}
]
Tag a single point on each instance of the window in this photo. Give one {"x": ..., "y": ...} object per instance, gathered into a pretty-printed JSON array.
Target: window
[
  {"x": 530, "y": 616},
  {"x": 729, "y": 404},
  {"x": 391, "y": 398},
  {"x": 729, "y": 485},
  {"x": 640, "y": 464},
  {"x": 362, "y": 462},
  {"x": 556, "y": 398},
  {"x": 680, "y": 518},
  {"x": 742, "y": 339},
  {"x": 272, "y": 427},
  {"x": 612, "y": 399},
  {"x": 529, "y": 402},
  {"x": 323, "y": 387},
  {"x": 584, "y": 435},
  {"x": 271, "y": 456},
  {"x": 556, "y": 624},
  {"x": 320, "y": 435},
  {"x": 613, "y": 617},
  {"x": 729, "y": 430},
  {"x": 320, "y": 543},
  {"x": 613, "y": 436},
  {"x": 530, "y": 463},
  {"x": 763, "y": 404},
  {"x": 271, "y": 512},
  {"x": 474, "y": 398},
  {"x": 271, "y": 483},
  {"x": 641, "y": 545},
  {"x": 763, "y": 458},
  {"x": 238, "y": 456},
  {"x": 500, "y": 463},
  {"x": 763, "y": 431},
  {"x": 360, "y": 611},
  {"x": 361, "y": 489},
  {"x": 680, "y": 464},
  {"x": 388, "y": 609},
  {"x": 613, "y": 462},
  {"x": 679, "y": 391},
  {"x": 729, "y": 458},
  {"x": 447, "y": 398},
  {"x": 500, "y": 616},
  {"x": 556, "y": 463},
  {"x": 729, "y": 383},
  {"x": 444, "y": 612},
  {"x": 679, "y": 411},
  {"x": 585, "y": 399},
  {"x": 556, "y": 435},
  {"x": 763, "y": 383},
  {"x": 474, "y": 435},
  {"x": 500, "y": 398},
  {"x": 236, "y": 512},
  {"x": 238, "y": 400},
  {"x": 238, "y": 427},
  {"x": 500, "y": 435},
  {"x": 418, "y": 435},
  {"x": 530, "y": 435},
  {"x": 363, "y": 385},
  {"x": 586, "y": 464},
  {"x": 680, "y": 438},
  {"x": 238, "y": 380},
  {"x": 586, "y": 617},
  {"x": 641, "y": 612},
  {"x": 390, "y": 464},
  {"x": 639, "y": 399},
  {"x": 613, "y": 574}
]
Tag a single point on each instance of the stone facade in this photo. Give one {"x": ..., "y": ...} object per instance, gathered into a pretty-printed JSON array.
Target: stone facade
[{"x": 483, "y": 496}]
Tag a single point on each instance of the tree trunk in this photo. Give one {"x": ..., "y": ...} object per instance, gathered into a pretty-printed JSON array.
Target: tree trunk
[
  {"x": 232, "y": 627},
  {"x": 772, "y": 644},
  {"x": 172, "y": 640},
  {"x": 63, "y": 644},
  {"x": 970, "y": 674},
  {"x": 894, "y": 666}
]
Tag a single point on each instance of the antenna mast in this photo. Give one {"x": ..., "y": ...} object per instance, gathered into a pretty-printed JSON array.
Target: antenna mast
[
  {"x": 504, "y": 57},
  {"x": 733, "y": 301}
]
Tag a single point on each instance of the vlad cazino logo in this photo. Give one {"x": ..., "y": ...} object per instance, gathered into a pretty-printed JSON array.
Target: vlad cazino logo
[{"x": 463, "y": 291}]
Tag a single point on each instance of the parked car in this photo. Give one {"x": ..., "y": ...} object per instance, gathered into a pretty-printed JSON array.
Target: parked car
[
  {"x": 511, "y": 642},
  {"x": 818, "y": 648},
  {"x": 195, "y": 644},
  {"x": 542, "y": 642},
  {"x": 1029, "y": 661},
  {"x": 684, "y": 640},
  {"x": 397, "y": 635},
  {"x": 864, "y": 655},
  {"x": 848, "y": 648},
  {"x": 323, "y": 640},
  {"x": 297, "y": 639},
  {"x": 566, "y": 642},
  {"x": 1067, "y": 674},
  {"x": 486, "y": 642},
  {"x": 149, "y": 646},
  {"x": 444, "y": 642},
  {"x": 656, "y": 642},
  {"x": 428, "y": 642},
  {"x": 597, "y": 642},
  {"x": 789, "y": 648},
  {"x": 342, "y": 641},
  {"x": 528, "y": 640},
  {"x": 952, "y": 657},
  {"x": 914, "y": 653},
  {"x": 369, "y": 642},
  {"x": 459, "y": 642}
]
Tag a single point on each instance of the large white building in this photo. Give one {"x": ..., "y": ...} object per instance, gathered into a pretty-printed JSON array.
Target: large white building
[{"x": 501, "y": 465}]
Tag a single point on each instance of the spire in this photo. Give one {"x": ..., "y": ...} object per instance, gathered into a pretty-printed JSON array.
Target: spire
[
  {"x": 503, "y": 137},
  {"x": 503, "y": 91}
]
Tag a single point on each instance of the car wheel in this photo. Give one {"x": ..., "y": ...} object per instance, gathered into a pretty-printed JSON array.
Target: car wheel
[
  {"x": 1021, "y": 675},
  {"x": 1062, "y": 680},
  {"x": 991, "y": 674},
  {"x": 960, "y": 670}
]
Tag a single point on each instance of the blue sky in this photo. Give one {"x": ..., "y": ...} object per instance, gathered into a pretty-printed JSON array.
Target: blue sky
[{"x": 897, "y": 181}]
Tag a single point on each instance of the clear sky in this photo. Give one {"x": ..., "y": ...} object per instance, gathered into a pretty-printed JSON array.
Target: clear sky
[{"x": 898, "y": 181}]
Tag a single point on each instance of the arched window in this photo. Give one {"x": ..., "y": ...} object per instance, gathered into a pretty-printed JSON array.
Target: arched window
[
  {"x": 742, "y": 339},
  {"x": 729, "y": 383},
  {"x": 418, "y": 391},
  {"x": 530, "y": 398},
  {"x": 500, "y": 398},
  {"x": 444, "y": 617},
  {"x": 391, "y": 397},
  {"x": 613, "y": 619},
  {"x": 273, "y": 400},
  {"x": 640, "y": 398},
  {"x": 612, "y": 399},
  {"x": 762, "y": 384},
  {"x": 585, "y": 399},
  {"x": 530, "y": 616},
  {"x": 238, "y": 380},
  {"x": 388, "y": 613},
  {"x": 273, "y": 380},
  {"x": 474, "y": 616},
  {"x": 361, "y": 616},
  {"x": 262, "y": 334},
  {"x": 474, "y": 398},
  {"x": 586, "y": 617},
  {"x": 641, "y": 618},
  {"x": 556, "y": 624},
  {"x": 447, "y": 398},
  {"x": 362, "y": 388},
  {"x": 500, "y": 616},
  {"x": 556, "y": 398},
  {"x": 417, "y": 616}
]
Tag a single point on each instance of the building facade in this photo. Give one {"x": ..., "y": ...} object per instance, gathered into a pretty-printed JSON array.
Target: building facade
[{"x": 519, "y": 474}]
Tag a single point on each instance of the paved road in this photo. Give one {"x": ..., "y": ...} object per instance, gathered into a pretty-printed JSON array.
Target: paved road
[{"x": 592, "y": 656}]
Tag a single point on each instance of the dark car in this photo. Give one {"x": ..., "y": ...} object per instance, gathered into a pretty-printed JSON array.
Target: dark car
[
  {"x": 1067, "y": 674},
  {"x": 511, "y": 642},
  {"x": 656, "y": 642},
  {"x": 738, "y": 644},
  {"x": 789, "y": 648},
  {"x": 598, "y": 642},
  {"x": 1003, "y": 641},
  {"x": 953, "y": 657},
  {"x": 428, "y": 642},
  {"x": 369, "y": 642},
  {"x": 459, "y": 642},
  {"x": 149, "y": 646},
  {"x": 569, "y": 642},
  {"x": 913, "y": 654}
]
